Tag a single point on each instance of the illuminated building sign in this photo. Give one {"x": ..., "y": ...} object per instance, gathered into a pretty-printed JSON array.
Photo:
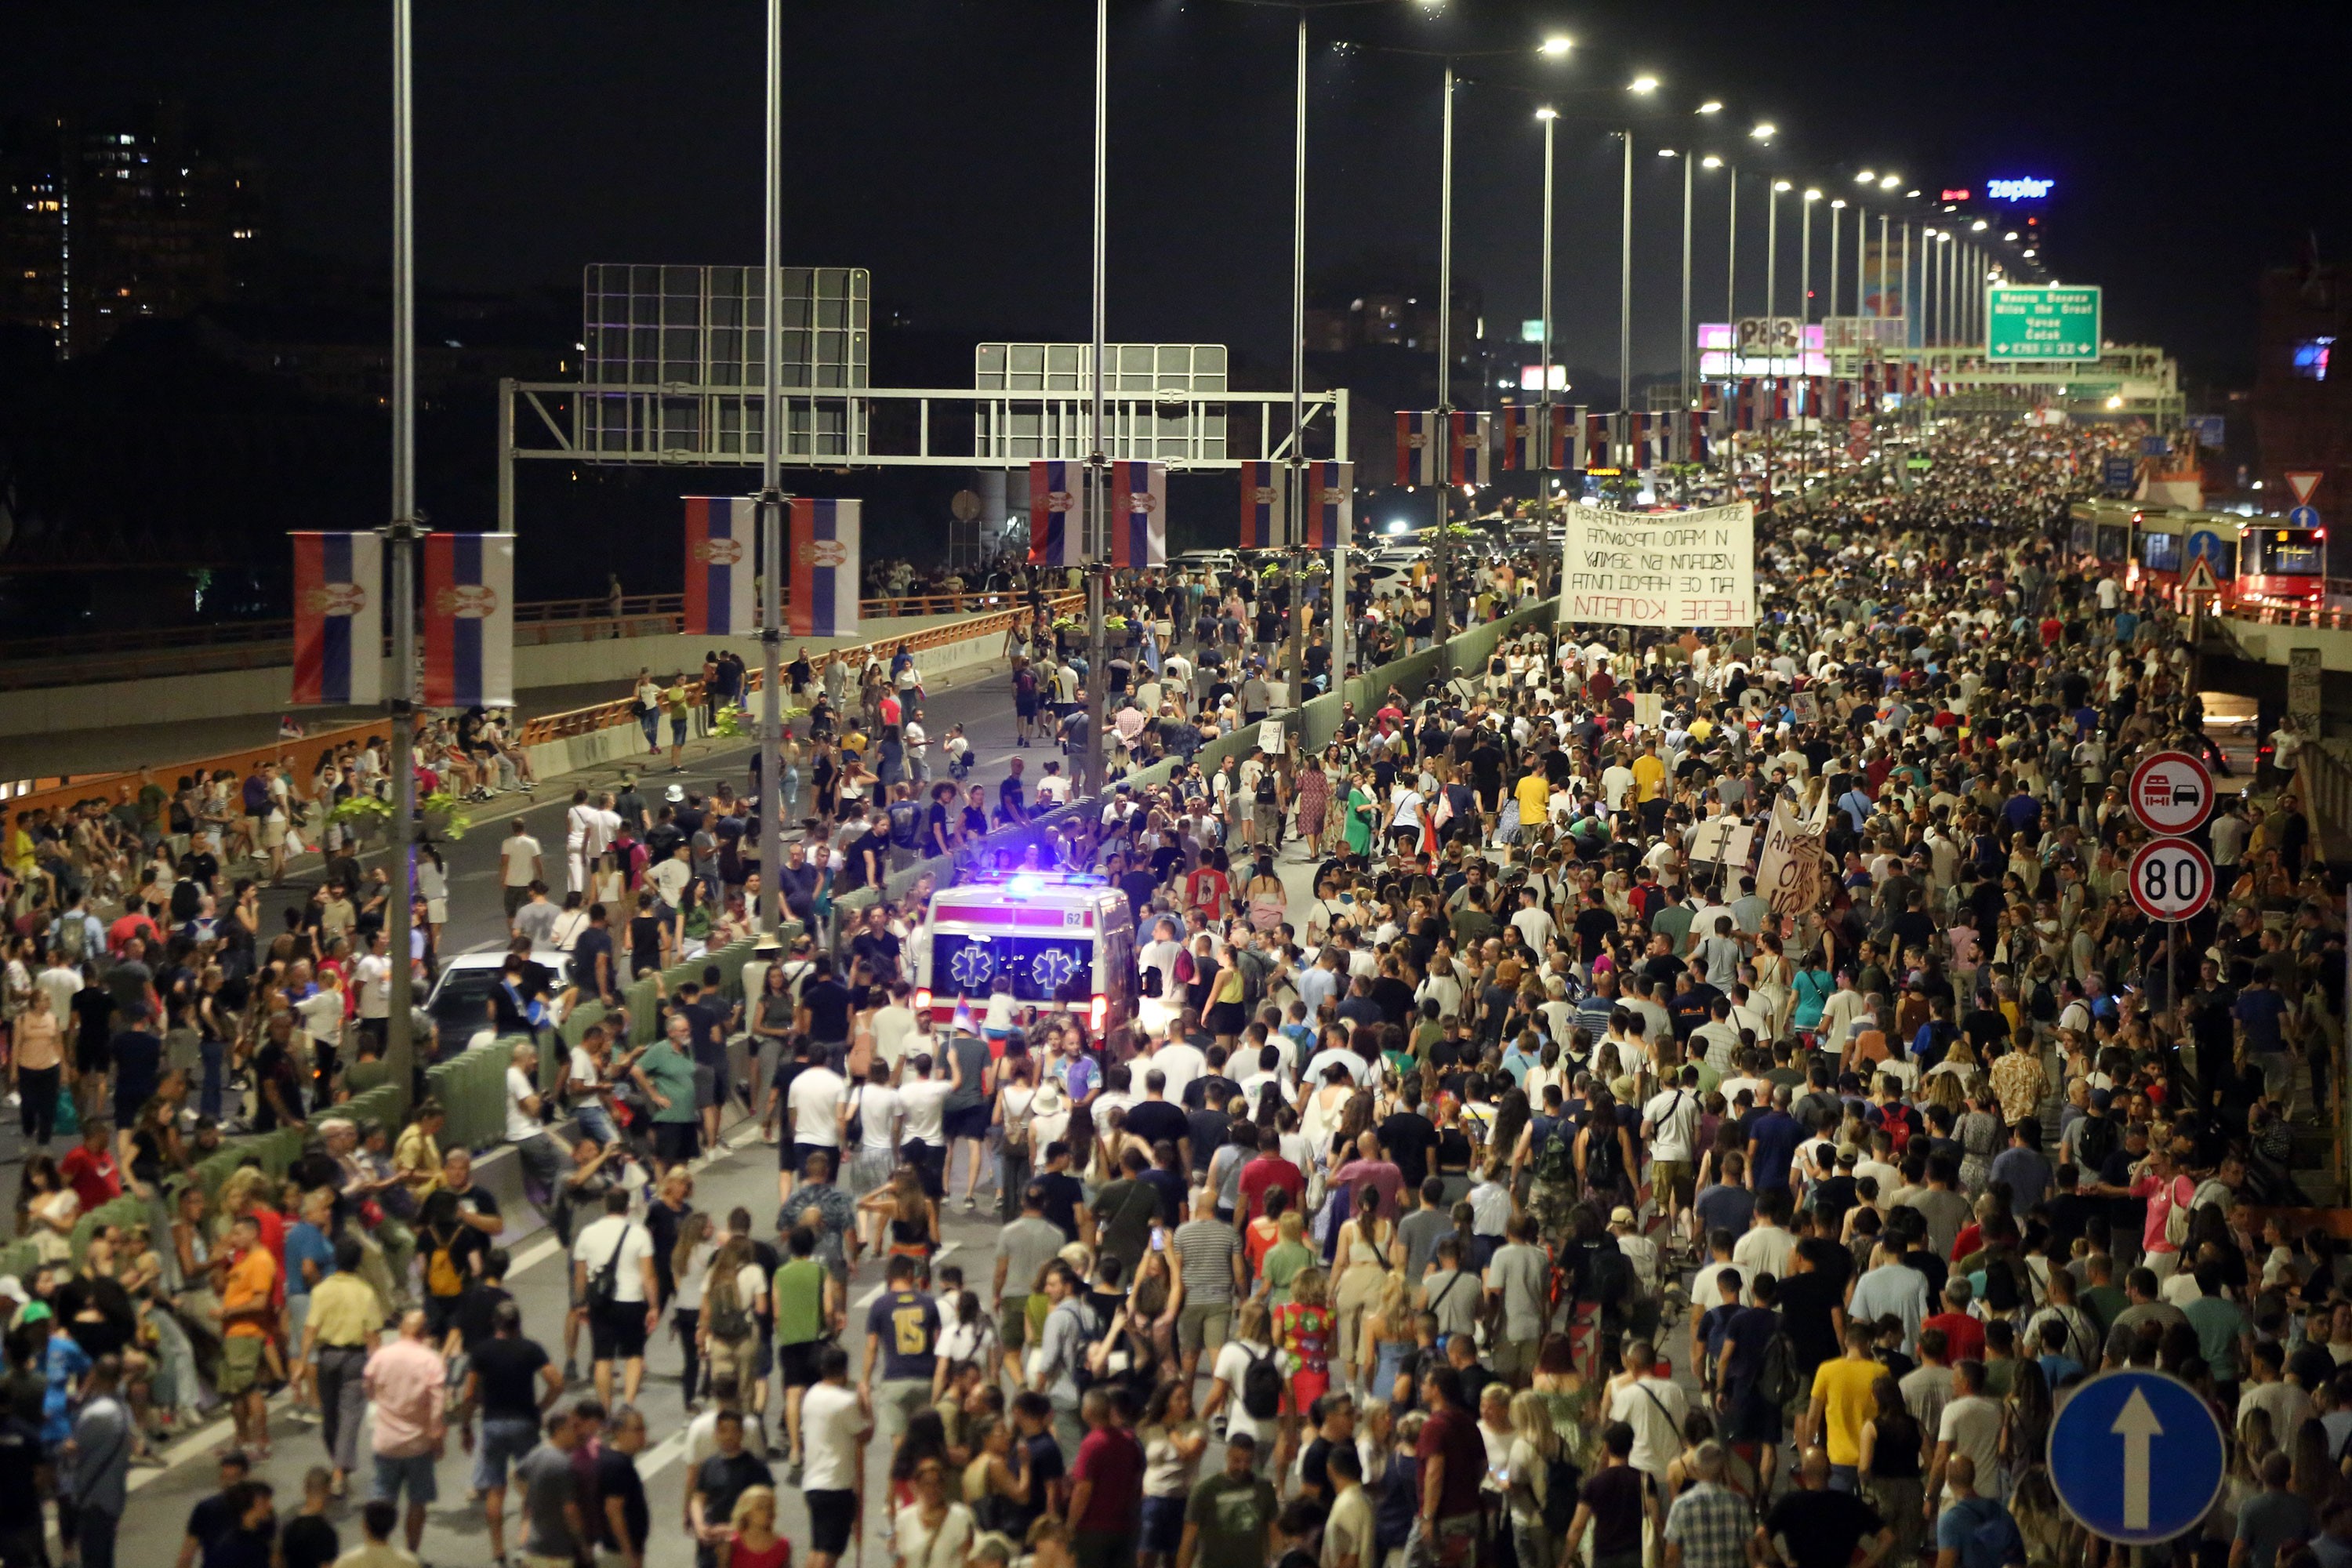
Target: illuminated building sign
[
  {"x": 1958, "y": 195},
  {"x": 2017, "y": 190}
]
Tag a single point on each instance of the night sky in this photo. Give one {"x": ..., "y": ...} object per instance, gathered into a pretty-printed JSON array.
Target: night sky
[{"x": 944, "y": 143}]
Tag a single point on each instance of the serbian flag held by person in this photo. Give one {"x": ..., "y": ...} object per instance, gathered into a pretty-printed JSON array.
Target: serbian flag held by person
[
  {"x": 338, "y": 620},
  {"x": 1058, "y": 514},
  {"x": 1139, "y": 514},
  {"x": 1266, "y": 490},
  {"x": 1330, "y": 508},
  {"x": 1468, "y": 461},
  {"x": 825, "y": 569},
  {"x": 719, "y": 531},
  {"x": 1417, "y": 459},
  {"x": 469, "y": 620}
]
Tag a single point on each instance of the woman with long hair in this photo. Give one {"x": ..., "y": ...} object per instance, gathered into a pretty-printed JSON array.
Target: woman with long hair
[
  {"x": 1771, "y": 990},
  {"x": 1302, "y": 1329},
  {"x": 1890, "y": 1472},
  {"x": 752, "y": 1541},
  {"x": 910, "y": 1220},
  {"x": 1385, "y": 1341},
  {"x": 1604, "y": 1151},
  {"x": 732, "y": 1294},
  {"x": 1368, "y": 1253},
  {"x": 1173, "y": 1440},
  {"x": 997, "y": 1481},
  {"x": 930, "y": 1530},
  {"x": 2025, "y": 1419},
  {"x": 689, "y": 1265},
  {"x": 1313, "y": 803},
  {"x": 1978, "y": 1130},
  {"x": 1535, "y": 1444}
]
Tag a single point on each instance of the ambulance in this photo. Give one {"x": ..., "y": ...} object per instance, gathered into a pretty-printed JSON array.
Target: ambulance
[{"x": 1066, "y": 940}]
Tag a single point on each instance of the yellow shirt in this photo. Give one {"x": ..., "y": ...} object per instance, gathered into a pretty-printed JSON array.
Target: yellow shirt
[
  {"x": 1845, "y": 1386},
  {"x": 1649, "y": 775},
  {"x": 345, "y": 1309},
  {"x": 1534, "y": 790}
]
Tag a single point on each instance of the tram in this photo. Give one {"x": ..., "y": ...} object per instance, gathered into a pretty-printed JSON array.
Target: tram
[{"x": 2255, "y": 561}]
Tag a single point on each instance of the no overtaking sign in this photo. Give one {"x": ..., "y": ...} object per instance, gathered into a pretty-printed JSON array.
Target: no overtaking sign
[{"x": 2171, "y": 792}]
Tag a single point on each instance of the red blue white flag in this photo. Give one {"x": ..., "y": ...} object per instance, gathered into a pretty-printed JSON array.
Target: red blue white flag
[
  {"x": 825, "y": 569},
  {"x": 1265, "y": 490},
  {"x": 1468, "y": 459},
  {"x": 1058, "y": 514},
  {"x": 721, "y": 532},
  {"x": 338, "y": 620},
  {"x": 1139, "y": 514},
  {"x": 469, "y": 620},
  {"x": 1331, "y": 507},
  {"x": 1417, "y": 447}
]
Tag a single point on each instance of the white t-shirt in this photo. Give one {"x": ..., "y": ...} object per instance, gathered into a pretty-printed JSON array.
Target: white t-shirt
[
  {"x": 1233, "y": 1364},
  {"x": 892, "y": 1025},
  {"x": 596, "y": 1244},
  {"x": 1053, "y": 789},
  {"x": 814, "y": 1102},
  {"x": 1675, "y": 1114},
  {"x": 877, "y": 1112},
  {"x": 519, "y": 859},
  {"x": 373, "y": 974},
  {"x": 830, "y": 1423},
  {"x": 520, "y": 1123},
  {"x": 925, "y": 1104},
  {"x": 1181, "y": 1063}
]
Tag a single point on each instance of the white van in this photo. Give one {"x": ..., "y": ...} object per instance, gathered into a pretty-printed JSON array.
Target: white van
[{"x": 1066, "y": 939}]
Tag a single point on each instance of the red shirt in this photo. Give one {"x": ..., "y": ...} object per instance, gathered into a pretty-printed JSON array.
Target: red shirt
[
  {"x": 1964, "y": 1337},
  {"x": 1270, "y": 1171},
  {"x": 94, "y": 1179},
  {"x": 1113, "y": 1461},
  {"x": 1455, "y": 1435}
]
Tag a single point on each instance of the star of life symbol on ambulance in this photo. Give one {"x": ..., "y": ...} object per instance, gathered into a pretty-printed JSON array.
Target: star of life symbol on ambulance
[
  {"x": 339, "y": 599},
  {"x": 825, "y": 552},
  {"x": 470, "y": 601},
  {"x": 719, "y": 552},
  {"x": 1052, "y": 969},
  {"x": 971, "y": 967}
]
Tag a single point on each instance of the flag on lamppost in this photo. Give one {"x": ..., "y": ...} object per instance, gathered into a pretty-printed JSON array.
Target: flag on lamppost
[
  {"x": 1058, "y": 514},
  {"x": 1468, "y": 459},
  {"x": 1419, "y": 451},
  {"x": 1331, "y": 504},
  {"x": 719, "y": 550},
  {"x": 1265, "y": 490},
  {"x": 338, "y": 620},
  {"x": 1139, "y": 514},
  {"x": 469, "y": 620},
  {"x": 825, "y": 570}
]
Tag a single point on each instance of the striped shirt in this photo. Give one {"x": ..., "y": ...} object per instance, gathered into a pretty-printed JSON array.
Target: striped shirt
[{"x": 1207, "y": 1247}]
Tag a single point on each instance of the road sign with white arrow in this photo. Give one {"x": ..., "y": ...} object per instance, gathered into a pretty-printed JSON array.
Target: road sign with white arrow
[{"x": 2136, "y": 1456}]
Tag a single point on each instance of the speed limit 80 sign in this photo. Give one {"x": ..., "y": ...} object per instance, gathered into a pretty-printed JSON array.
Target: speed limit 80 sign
[{"x": 2171, "y": 879}]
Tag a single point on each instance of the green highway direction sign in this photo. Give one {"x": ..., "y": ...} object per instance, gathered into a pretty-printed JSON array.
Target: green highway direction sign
[{"x": 2043, "y": 323}]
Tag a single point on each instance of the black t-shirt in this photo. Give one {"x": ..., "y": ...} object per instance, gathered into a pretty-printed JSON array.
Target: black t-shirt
[
  {"x": 242, "y": 1548},
  {"x": 1806, "y": 1303},
  {"x": 1613, "y": 1493},
  {"x": 93, "y": 1007},
  {"x": 721, "y": 1480},
  {"x": 1408, "y": 1137},
  {"x": 827, "y": 1002},
  {"x": 509, "y": 1371},
  {"x": 309, "y": 1542},
  {"x": 20, "y": 1451},
  {"x": 1822, "y": 1528},
  {"x": 210, "y": 1518},
  {"x": 1064, "y": 1194},
  {"x": 617, "y": 1477},
  {"x": 1154, "y": 1120},
  {"x": 590, "y": 944},
  {"x": 477, "y": 1307},
  {"x": 644, "y": 944}
]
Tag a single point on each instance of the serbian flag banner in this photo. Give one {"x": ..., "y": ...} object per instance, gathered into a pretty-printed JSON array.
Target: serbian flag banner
[
  {"x": 1597, "y": 453},
  {"x": 1058, "y": 514},
  {"x": 1139, "y": 514},
  {"x": 825, "y": 569},
  {"x": 338, "y": 620},
  {"x": 1468, "y": 461},
  {"x": 469, "y": 620},
  {"x": 1416, "y": 447},
  {"x": 1330, "y": 508},
  {"x": 1524, "y": 440},
  {"x": 719, "y": 531},
  {"x": 1265, "y": 489},
  {"x": 1567, "y": 445}
]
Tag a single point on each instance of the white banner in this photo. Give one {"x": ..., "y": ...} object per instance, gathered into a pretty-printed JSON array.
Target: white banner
[
  {"x": 1789, "y": 877},
  {"x": 1660, "y": 569}
]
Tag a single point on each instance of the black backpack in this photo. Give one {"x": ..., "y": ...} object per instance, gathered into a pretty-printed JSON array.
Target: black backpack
[
  {"x": 1613, "y": 1275},
  {"x": 1605, "y": 1160},
  {"x": 2098, "y": 1140},
  {"x": 1776, "y": 1371},
  {"x": 1261, "y": 1387},
  {"x": 1561, "y": 1481}
]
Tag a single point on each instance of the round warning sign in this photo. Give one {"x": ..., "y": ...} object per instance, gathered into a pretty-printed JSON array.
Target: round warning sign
[
  {"x": 2171, "y": 879},
  {"x": 2171, "y": 792}
]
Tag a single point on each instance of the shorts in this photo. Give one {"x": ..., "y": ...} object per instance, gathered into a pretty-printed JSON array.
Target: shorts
[
  {"x": 1752, "y": 1418},
  {"x": 930, "y": 1163},
  {"x": 798, "y": 1363},
  {"x": 1012, "y": 1323},
  {"x": 1514, "y": 1359},
  {"x": 240, "y": 1365},
  {"x": 504, "y": 1442},
  {"x": 1162, "y": 1525},
  {"x": 413, "y": 1473},
  {"x": 967, "y": 1121},
  {"x": 1672, "y": 1176},
  {"x": 709, "y": 1086},
  {"x": 675, "y": 1142},
  {"x": 795, "y": 1157},
  {"x": 616, "y": 1331},
  {"x": 831, "y": 1515},
  {"x": 1203, "y": 1325},
  {"x": 273, "y": 833}
]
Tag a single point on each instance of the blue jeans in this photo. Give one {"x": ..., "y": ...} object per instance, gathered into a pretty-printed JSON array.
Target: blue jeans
[
  {"x": 594, "y": 1121},
  {"x": 1845, "y": 1477},
  {"x": 208, "y": 1098},
  {"x": 651, "y": 719}
]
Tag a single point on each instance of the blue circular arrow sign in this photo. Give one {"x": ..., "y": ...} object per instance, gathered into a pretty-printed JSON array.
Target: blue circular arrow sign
[
  {"x": 2303, "y": 517},
  {"x": 2136, "y": 1456},
  {"x": 2207, "y": 543}
]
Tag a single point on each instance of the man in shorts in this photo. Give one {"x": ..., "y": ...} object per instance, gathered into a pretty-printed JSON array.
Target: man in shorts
[
  {"x": 612, "y": 1272},
  {"x": 1022, "y": 1250},
  {"x": 1205, "y": 1255},
  {"x": 409, "y": 1385},
  {"x": 833, "y": 1458},
  {"x": 808, "y": 1300},
  {"x": 665, "y": 1074},
  {"x": 245, "y": 1297}
]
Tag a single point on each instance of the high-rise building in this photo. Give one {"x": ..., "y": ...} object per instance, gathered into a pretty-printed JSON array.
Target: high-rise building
[
  {"x": 2302, "y": 387},
  {"x": 105, "y": 223}
]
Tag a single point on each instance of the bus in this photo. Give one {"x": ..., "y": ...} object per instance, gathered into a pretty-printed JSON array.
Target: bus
[
  {"x": 2279, "y": 564},
  {"x": 1065, "y": 940}
]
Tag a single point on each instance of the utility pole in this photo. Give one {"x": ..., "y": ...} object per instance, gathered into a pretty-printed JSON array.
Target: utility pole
[
  {"x": 1542, "y": 465},
  {"x": 1095, "y": 550},
  {"x": 1298, "y": 555},
  {"x": 772, "y": 501},
  {"x": 1690, "y": 160},
  {"x": 1441, "y": 600},
  {"x": 1625, "y": 287},
  {"x": 399, "y": 1042}
]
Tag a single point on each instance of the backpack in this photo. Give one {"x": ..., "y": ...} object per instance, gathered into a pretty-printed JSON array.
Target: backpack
[
  {"x": 1555, "y": 1163},
  {"x": 723, "y": 1307},
  {"x": 1560, "y": 1482},
  {"x": 2099, "y": 1139},
  {"x": 1613, "y": 1276},
  {"x": 443, "y": 1277},
  {"x": 1261, "y": 1387},
  {"x": 1776, "y": 1371},
  {"x": 2176, "y": 1219},
  {"x": 605, "y": 1284},
  {"x": 1090, "y": 1332},
  {"x": 1604, "y": 1160}
]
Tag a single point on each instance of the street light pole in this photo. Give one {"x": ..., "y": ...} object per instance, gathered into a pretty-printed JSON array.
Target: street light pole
[
  {"x": 1625, "y": 286},
  {"x": 400, "y": 1045},
  {"x": 772, "y": 499},
  {"x": 1805, "y": 263},
  {"x": 1095, "y": 550},
  {"x": 1690, "y": 160},
  {"x": 1772, "y": 245},
  {"x": 1300, "y": 555},
  {"x": 1542, "y": 464},
  {"x": 1441, "y": 604},
  {"x": 1836, "y": 207}
]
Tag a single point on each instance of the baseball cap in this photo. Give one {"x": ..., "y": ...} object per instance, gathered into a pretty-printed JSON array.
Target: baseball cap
[{"x": 1620, "y": 1215}]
